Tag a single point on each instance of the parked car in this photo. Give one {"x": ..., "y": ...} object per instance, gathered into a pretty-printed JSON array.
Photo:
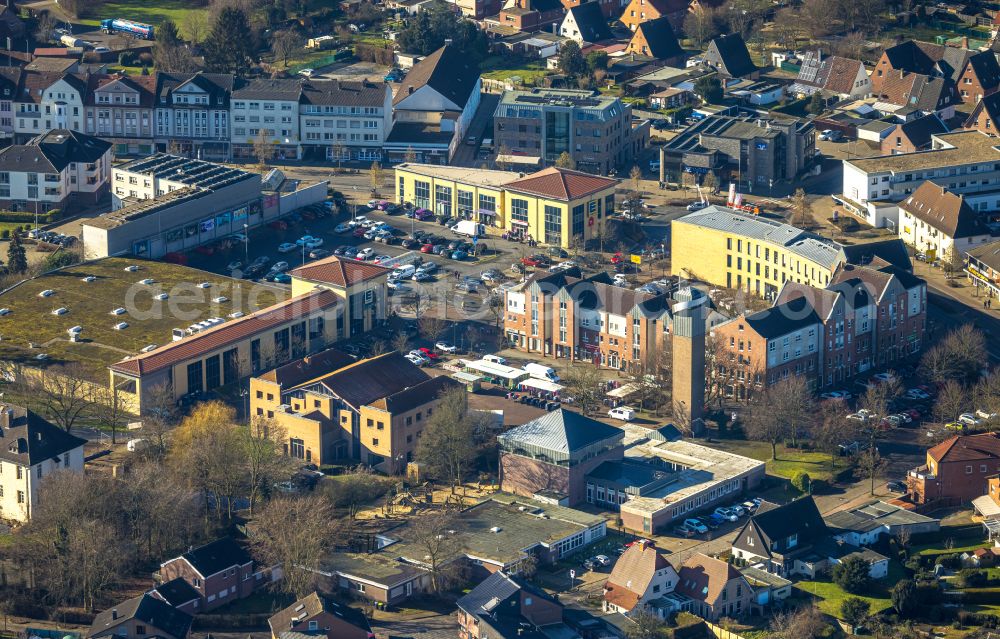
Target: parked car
[
  {"x": 836, "y": 395},
  {"x": 623, "y": 413},
  {"x": 896, "y": 486},
  {"x": 726, "y": 513},
  {"x": 696, "y": 526},
  {"x": 286, "y": 247},
  {"x": 969, "y": 419},
  {"x": 417, "y": 361},
  {"x": 535, "y": 260},
  {"x": 318, "y": 254},
  {"x": 428, "y": 267},
  {"x": 683, "y": 531},
  {"x": 918, "y": 394},
  {"x": 445, "y": 347},
  {"x": 602, "y": 560},
  {"x": 422, "y": 276},
  {"x": 366, "y": 253},
  {"x": 697, "y": 206}
]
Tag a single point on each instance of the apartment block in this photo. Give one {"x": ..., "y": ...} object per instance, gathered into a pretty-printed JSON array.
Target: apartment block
[
  {"x": 343, "y": 120},
  {"x": 757, "y": 255},
  {"x": 269, "y": 108},
  {"x": 597, "y": 131},
  {"x": 119, "y": 109},
  {"x": 47, "y": 101},
  {"x": 192, "y": 114},
  {"x": 53, "y": 170}
]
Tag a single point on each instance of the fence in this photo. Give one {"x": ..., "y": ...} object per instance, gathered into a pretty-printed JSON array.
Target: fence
[{"x": 721, "y": 633}]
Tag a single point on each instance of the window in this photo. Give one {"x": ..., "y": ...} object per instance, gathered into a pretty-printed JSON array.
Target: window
[
  {"x": 553, "y": 225},
  {"x": 140, "y": 629},
  {"x": 519, "y": 210},
  {"x": 20, "y": 496},
  {"x": 422, "y": 193},
  {"x": 968, "y": 470}
]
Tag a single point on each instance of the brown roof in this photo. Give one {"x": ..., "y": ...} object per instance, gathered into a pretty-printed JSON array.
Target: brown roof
[
  {"x": 561, "y": 184},
  {"x": 370, "y": 380},
  {"x": 414, "y": 396},
  {"x": 703, "y": 578},
  {"x": 822, "y": 300},
  {"x": 944, "y": 211},
  {"x": 874, "y": 280},
  {"x": 227, "y": 333},
  {"x": 841, "y": 74},
  {"x": 633, "y": 573},
  {"x": 966, "y": 448},
  {"x": 339, "y": 271},
  {"x": 51, "y": 65},
  {"x": 145, "y": 85},
  {"x": 309, "y": 367},
  {"x": 310, "y": 606}
]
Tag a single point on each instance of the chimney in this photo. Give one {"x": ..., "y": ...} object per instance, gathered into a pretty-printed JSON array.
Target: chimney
[
  {"x": 901, "y": 74},
  {"x": 447, "y": 41},
  {"x": 114, "y": 613},
  {"x": 409, "y": 90},
  {"x": 965, "y": 42}
]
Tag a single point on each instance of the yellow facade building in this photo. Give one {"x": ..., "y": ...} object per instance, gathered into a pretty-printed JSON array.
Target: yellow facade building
[
  {"x": 336, "y": 410},
  {"x": 554, "y": 206}
]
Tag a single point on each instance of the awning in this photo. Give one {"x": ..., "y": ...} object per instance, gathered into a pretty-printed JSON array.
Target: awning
[
  {"x": 986, "y": 507},
  {"x": 623, "y": 391},
  {"x": 541, "y": 384}
]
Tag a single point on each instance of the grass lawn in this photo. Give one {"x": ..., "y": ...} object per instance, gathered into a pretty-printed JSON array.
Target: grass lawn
[
  {"x": 962, "y": 544},
  {"x": 151, "y": 12},
  {"x": 90, "y": 304},
  {"x": 260, "y": 602},
  {"x": 789, "y": 461},
  {"x": 503, "y": 68},
  {"x": 830, "y": 596}
]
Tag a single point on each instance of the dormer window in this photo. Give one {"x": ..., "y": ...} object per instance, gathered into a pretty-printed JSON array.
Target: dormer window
[
  {"x": 313, "y": 625},
  {"x": 793, "y": 540}
]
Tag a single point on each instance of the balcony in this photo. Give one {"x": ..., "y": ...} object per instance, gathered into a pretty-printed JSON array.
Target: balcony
[{"x": 922, "y": 473}]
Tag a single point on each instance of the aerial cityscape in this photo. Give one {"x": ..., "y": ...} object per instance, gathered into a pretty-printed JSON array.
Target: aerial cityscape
[{"x": 499, "y": 319}]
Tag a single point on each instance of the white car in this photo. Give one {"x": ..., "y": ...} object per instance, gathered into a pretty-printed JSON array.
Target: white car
[
  {"x": 307, "y": 73},
  {"x": 445, "y": 347},
  {"x": 697, "y": 206},
  {"x": 916, "y": 393},
  {"x": 883, "y": 377},
  {"x": 981, "y": 414},
  {"x": 696, "y": 526},
  {"x": 726, "y": 513},
  {"x": 280, "y": 267},
  {"x": 365, "y": 253},
  {"x": 969, "y": 419},
  {"x": 305, "y": 240},
  {"x": 286, "y": 247},
  {"x": 314, "y": 243},
  {"x": 416, "y": 361},
  {"x": 840, "y": 395},
  {"x": 358, "y": 221},
  {"x": 623, "y": 413},
  {"x": 343, "y": 227},
  {"x": 420, "y": 355},
  {"x": 603, "y": 560}
]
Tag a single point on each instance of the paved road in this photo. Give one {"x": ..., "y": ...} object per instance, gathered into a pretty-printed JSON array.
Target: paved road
[{"x": 480, "y": 127}]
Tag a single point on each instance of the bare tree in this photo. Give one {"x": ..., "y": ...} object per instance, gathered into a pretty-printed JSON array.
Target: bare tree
[
  {"x": 950, "y": 402},
  {"x": 337, "y": 149},
  {"x": 779, "y": 411},
  {"x": 585, "y": 385},
  {"x": 295, "y": 533},
  {"x": 263, "y": 149},
  {"x": 801, "y": 623},
  {"x": 45, "y": 26},
  {"x": 434, "y": 536},
  {"x": 432, "y": 328},
  {"x": 401, "y": 341},
  {"x": 801, "y": 209},
  {"x": 375, "y": 177},
  {"x": 195, "y": 26},
  {"x": 284, "y": 44},
  {"x": 451, "y": 437},
  {"x": 263, "y": 442},
  {"x": 646, "y": 625},
  {"x": 871, "y": 463},
  {"x": 63, "y": 393},
  {"x": 110, "y": 407},
  {"x": 830, "y": 429}
]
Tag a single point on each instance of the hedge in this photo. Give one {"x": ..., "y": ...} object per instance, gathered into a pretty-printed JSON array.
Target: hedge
[
  {"x": 981, "y": 595},
  {"x": 29, "y": 216}
]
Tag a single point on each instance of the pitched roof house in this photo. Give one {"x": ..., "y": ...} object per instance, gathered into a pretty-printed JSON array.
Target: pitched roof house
[
  {"x": 716, "y": 588},
  {"x": 778, "y": 535},
  {"x": 220, "y": 571},
  {"x": 933, "y": 219},
  {"x": 142, "y": 617},
  {"x": 979, "y": 78},
  {"x": 913, "y": 135},
  {"x": 842, "y": 77},
  {"x": 585, "y": 23},
  {"x": 930, "y": 94},
  {"x": 502, "y": 606},
  {"x": 638, "y": 11},
  {"x": 314, "y": 617},
  {"x": 728, "y": 54},
  {"x": 656, "y": 39},
  {"x": 640, "y": 575},
  {"x": 984, "y": 116},
  {"x": 957, "y": 469}
]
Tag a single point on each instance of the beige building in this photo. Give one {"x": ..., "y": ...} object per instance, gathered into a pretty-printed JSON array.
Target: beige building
[
  {"x": 334, "y": 409},
  {"x": 332, "y": 299}
]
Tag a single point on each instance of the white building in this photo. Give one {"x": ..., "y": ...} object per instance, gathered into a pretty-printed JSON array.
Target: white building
[
  {"x": 47, "y": 101},
  {"x": 344, "y": 120},
  {"x": 53, "y": 169},
  {"x": 937, "y": 222},
  {"x": 434, "y": 106},
  {"x": 192, "y": 114},
  {"x": 964, "y": 162},
  {"x": 271, "y": 107},
  {"x": 31, "y": 449}
]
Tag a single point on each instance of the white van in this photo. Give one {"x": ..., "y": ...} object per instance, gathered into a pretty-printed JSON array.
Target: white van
[
  {"x": 495, "y": 359},
  {"x": 137, "y": 445},
  {"x": 540, "y": 371},
  {"x": 404, "y": 271}
]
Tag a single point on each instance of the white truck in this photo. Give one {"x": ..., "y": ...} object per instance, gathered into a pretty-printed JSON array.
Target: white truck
[
  {"x": 540, "y": 371},
  {"x": 470, "y": 228}
]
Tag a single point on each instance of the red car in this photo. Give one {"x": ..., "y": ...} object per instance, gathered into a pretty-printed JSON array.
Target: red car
[
  {"x": 535, "y": 260},
  {"x": 360, "y": 231},
  {"x": 617, "y": 258},
  {"x": 913, "y": 413},
  {"x": 280, "y": 225},
  {"x": 427, "y": 248},
  {"x": 429, "y": 353}
]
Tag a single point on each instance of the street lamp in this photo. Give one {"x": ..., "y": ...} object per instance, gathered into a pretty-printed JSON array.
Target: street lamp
[{"x": 246, "y": 244}]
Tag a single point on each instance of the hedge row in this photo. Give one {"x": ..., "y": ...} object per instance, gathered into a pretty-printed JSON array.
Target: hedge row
[
  {"x": 981, "y": 595},
  {"x": 28, "y": 216}
]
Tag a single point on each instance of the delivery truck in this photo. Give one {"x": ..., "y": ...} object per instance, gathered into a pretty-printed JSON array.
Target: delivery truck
[{"x": 470, "y": 228}]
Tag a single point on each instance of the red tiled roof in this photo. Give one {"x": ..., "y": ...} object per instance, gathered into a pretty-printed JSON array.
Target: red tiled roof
[
  {"x": 339, "y": 271},
  {"x": 632, "y": 574},
  {"x": 227, "y": 333},
  {"x": 962, "y": 448},
  {"x": 620, "y": 596},
  {"x": 703, "y": 578},
  {"x": 561, "y": 184}
]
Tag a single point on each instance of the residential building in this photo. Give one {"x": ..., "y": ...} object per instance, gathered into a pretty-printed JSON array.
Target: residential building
[
  {"x": 434, "y": 106},
  {"x": 754, "y": 153},
  {"x": 714, "y": 587},
  {"x": 751, "y": 253},
  {"x": 550, "y": 456},
  {"x": 372, "y": 411},
  {"x": 843, "y": 77},
  {"x": 268, "y": 107},
  {"x": 641, "y": 575},
  {"x": 229, "y": 351},
  {"x": 984, "y": 116},
  {"x": 179, "y": 594},
  {"x": 979, "y": 78},
  {"x": 987, "y": 506},
  {"x": 768, "y": 589},
  {"x": 531, "y": 15},
  {"x": 597, "y": 131},
  {"x": 168, "y": 204},
  {"x": 638, "y": 11},
  {"x": 316, "y": 616},
  {"x": 965, "y": 162},
  {"x": 142, "y": 617},
  {"x": 939, "y": 223},
  {"x": 554, "y": 206},
  {"x": 671, "y": 98},
  {"x": 912, "y": 135},
  {"x": 585, "y": 24},
  {"x": 119, "y": 109},
  {"x": 956, "y": 470},
  {"x": 34, "y": 449},
  {"x": 728, "y": 54},
  {"x": 982, "y": 267},
  {"x": 220, "y": 572},
  {"x": 656, "y": 38},
  {"x": 778, "y": 536},
  {"x": 864, "y": 525},
  {"x": 903, "y": 91},
  {"x": 352, "y": 119},
  {"x": 47, "y": 101},
  {"x": 192, "y": 114},
  {"x": 10, "y": 79},
  {"x": 501, "y": 533},
  {"x": 478, "y": 9},
  {"x": 502, "y": 606},
  {"x": 54, "y": 170},
  {"x": 610, "y": 8},
  {"x": 923, "y": 58}
]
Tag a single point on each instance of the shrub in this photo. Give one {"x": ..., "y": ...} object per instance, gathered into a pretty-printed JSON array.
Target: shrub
[
  {"x": 126, "y": 58},
  {"x": 905, "y": 598},
  {"x": 971, "y": 578},
  {"x": 5, "y": 234},
  {"x": 801, "y": 481},
  {"x": 852, "y": 575},
  {"x": 854, "y": 610},
  {"x": 146, "y": 58}
]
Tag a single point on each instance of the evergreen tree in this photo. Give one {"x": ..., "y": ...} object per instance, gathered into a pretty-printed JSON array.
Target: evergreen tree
[
  {"x": 166, "y": 34},
  {"x": 17, "y": 260},
  {"x": 571, "y": 61},
  {"x": 427, "y": 32},
  {"x": 227, "y": 48}
]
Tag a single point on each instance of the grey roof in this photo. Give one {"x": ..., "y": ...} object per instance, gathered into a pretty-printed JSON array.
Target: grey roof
[
  {"x": 448, "y": 71},
  {"x": 988, "y": 254},
  {"x": 729, "y": 53},
  {"x": 217, "y": 556},
  {"x": 784, "y": 318},
  {"x": 192, "y": 172},
  {"x": 807, "y": 245},
  {"x": 177, "y": 592},
  {"x": 51, "y": 152},
  {"x": 288, "y": 89},
  {"x": 163, "y": 619},
  {"x": 874, "y": 515},
  {"x": 27, "y": 439},
  {"x": 497, "y": 586},
  {"x": 343, "y": 93},
  {"x": 562, "y": 431},
  {"x": 591, "y": 22}
]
